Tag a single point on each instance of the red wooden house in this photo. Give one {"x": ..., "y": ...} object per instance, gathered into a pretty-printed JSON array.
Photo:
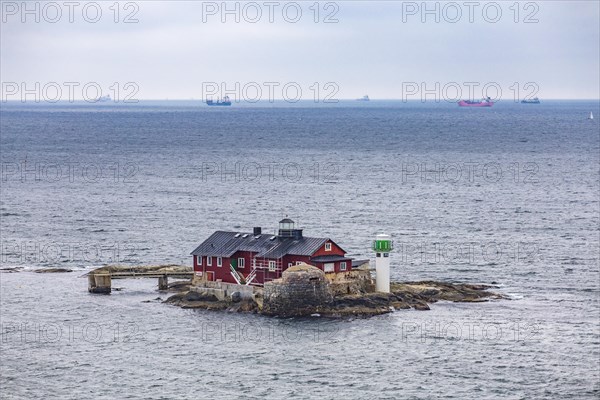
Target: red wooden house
[{"x": 256, "y": 258}]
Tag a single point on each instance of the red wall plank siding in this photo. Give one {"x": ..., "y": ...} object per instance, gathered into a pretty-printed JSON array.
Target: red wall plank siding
[{"x": 335, "y": 250}]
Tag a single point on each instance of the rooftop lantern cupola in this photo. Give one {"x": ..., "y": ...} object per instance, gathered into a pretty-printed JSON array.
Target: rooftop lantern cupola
[{"x": 287, "y": 228}]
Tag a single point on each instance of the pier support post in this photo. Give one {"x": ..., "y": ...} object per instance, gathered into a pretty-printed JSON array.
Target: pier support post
[
  {"x": 99, "y": 284},
  {"x": 163, "y": 282}
]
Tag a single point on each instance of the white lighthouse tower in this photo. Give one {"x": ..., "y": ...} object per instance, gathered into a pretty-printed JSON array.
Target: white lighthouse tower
[{"x": 382, "y": 246}]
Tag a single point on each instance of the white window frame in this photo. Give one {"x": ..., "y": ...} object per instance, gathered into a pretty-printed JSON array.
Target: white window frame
[
  {"x": 199, "y": 260},
  {"x": 289, "y": 265},
  {"x": 241, "y": 262},
  {"x": 326, "y": 265},
  {"x": 343, "y": 265},
  {"x": 208, "y": 261},
  {"x": 219, "y": 262},
  {"x": 272, "y": 266},
  {"x": 328, "y": 246}
]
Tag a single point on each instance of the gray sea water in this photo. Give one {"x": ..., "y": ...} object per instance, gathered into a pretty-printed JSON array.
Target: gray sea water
[{"x": 507, "y": 195}]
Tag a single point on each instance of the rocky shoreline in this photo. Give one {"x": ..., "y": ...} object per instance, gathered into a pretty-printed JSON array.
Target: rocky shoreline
[
  {"x": 404, "y": 295},
  {"x": 304, "y": 290}
]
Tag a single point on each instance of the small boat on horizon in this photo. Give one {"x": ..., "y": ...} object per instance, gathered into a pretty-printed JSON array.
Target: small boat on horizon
[
  {"x": 219, "y": 102},
  {"x": 487, "y": 102},
  {"x": 535, "y": 100},
  {"x": 364, "y": 98},
  {"x": 103, "y": 99},
  {"x": 591, "y": 115}
]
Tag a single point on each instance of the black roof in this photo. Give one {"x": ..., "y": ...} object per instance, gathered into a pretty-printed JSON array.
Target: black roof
[
  {"x": 286, "y": 221},
  {"x": 358, "y": 263},
  {"x": 225, "y": 244}
]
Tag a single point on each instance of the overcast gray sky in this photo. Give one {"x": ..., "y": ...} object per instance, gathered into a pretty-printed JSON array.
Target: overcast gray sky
[{"x": 373, "y": 48}]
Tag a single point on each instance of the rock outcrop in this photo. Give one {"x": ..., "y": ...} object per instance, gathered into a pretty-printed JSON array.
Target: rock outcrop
[
  {"x": 52, "y": 270},
  {"x": 11, "y": 269},
  {"x": 196, "y": 299},
  {"x": 356, "y": 281},
  {"x": 206, "y": 300},
  {"x": 431, "y": 292},
  {"x": 304, "y": 290}
]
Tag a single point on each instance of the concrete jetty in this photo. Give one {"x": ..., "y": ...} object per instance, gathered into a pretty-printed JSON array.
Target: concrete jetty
[{"x": 100, "y": 279}]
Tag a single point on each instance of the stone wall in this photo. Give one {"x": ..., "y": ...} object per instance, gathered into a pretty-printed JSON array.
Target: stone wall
[
  {"x": 357, "y": 281},
  {"x": 302, "y": 290},
  {"x": 224, "y": 290}
]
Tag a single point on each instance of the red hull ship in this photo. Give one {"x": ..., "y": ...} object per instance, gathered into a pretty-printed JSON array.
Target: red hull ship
[{"x": 470, "y": 103}]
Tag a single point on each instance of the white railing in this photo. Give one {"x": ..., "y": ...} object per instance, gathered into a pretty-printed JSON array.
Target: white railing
[
  {"x": 251, "y": 277},
  {"x": 236, "y": 275}
]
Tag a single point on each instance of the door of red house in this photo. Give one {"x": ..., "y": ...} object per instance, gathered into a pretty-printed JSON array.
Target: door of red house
[{"x": 210, "y": 275}]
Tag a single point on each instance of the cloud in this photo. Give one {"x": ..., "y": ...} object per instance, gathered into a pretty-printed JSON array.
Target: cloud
[{"x": 373, "y": 47}]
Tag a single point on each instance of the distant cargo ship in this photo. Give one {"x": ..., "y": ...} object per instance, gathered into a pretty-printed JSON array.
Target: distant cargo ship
[
  {"x": 219, "y": 102},
  {"x": 364, "y": 98},
  {"x": 535, "y": 100},
  {"x": 482, "y": 103},
  {"x": 104, "y": 99}
]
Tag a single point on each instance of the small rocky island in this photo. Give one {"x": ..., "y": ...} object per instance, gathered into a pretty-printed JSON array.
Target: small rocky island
[
  {"x": 296, "y": 275},
  {"x": 304, "y": 290}
]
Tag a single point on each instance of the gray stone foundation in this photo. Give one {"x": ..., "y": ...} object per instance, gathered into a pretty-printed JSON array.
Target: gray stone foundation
[{"x": 302, "y": 290}]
